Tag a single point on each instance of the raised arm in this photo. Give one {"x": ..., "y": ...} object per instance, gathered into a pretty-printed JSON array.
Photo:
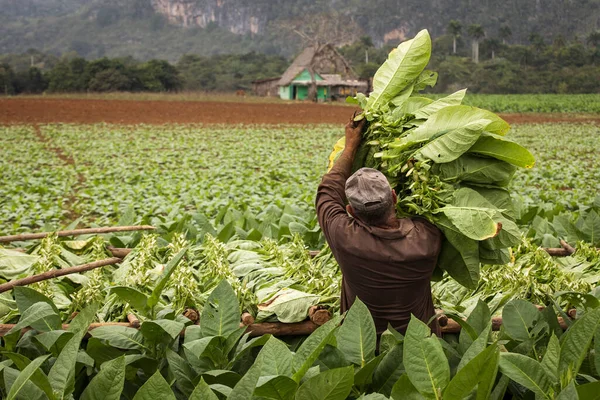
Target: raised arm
[{"x": 331, "y": 197}]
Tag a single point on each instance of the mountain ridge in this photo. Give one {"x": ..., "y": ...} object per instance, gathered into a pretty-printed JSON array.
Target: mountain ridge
[{"x": 170, "y": 28}]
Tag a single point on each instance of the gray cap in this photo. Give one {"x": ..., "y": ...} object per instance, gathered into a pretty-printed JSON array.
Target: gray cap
[{"x": 368, "y": 191}]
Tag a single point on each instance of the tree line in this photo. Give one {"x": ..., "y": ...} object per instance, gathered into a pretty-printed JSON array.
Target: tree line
[{"x": 464, "y": 57}]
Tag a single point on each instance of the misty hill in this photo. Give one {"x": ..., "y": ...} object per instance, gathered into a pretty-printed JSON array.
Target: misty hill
[{"x": 168, "y": 29}]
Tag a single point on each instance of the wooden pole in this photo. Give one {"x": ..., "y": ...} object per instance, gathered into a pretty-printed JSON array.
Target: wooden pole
[
  {"x": 75, "y": 232},
  {"x": 304, "y": 328},
  {"x": 120, "y": 252},
  {"x": 54, "y": 273}
]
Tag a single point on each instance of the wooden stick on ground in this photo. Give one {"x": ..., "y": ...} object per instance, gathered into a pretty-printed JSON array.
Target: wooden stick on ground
[
  {"x": 75, "y": 232},
  {"x": 119, "y": 251},
  {"x": 54, "y": 273}
]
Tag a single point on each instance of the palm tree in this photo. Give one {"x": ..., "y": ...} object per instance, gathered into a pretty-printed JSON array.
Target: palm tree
[
  {"x": 494, "y": 45},
  {"x": 476, "y": 32},
  {"x": 537, "y": 41},
  {"x": 593, "y": 39},
  {"x": 454, "y": 28},
  {"x": 504, "y": 33}
]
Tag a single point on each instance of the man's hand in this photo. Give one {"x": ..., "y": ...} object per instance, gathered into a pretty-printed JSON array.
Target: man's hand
[{"x": 354, "y": 130}]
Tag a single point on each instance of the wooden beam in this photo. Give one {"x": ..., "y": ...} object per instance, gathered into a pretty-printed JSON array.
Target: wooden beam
[
  {"x": 55, "y": 273},
  {"x": 75, "y": 232}
]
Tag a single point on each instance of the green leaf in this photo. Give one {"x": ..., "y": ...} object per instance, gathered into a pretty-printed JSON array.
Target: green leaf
[
  {"x": 162, "y": 282},
  {"x": 454, "y": 99},
  {"x": 551, "y": 357},
  {"x": 83, "y": 319},
  {"x": 289, "y": 305},
  {"x": 357, "y": 337},
  {"x": 404, "y": 65},
  {"x": 471, "y": 214},
  {"x": 527, "y": 372},
  {"x": 221, "y": 314},
  {"x": 28, "y": 392},
  {"x": 276, "y": 387},
  {"x": 569, "y": 393},
  {"x": 14, "y": 263},
  {"x": 155, "y": 388},
  {"x": 518, "y": 318},
  {"x": 405, "y": 390},
  {"x": 25, "y": 375},
  {"x": 310, "y": 349},
  {"x": 121, "y": 337},
  {"x": 589, "y": 391},
  {"x": 134, "y": 297},
  {"x": 180, "y": 368},
  {"x": 276, "y": 358},
  {"x": 473, "y": 169},
  {"x": 426, "y": 78},
  {"x": 244, "y": 389},
  {"x": 38, "y": 377},
  {"x": 503, "y": 149},
  {"x": 591, "y": 227},
  {"x": 26, "y": 297},
  {"x": 476, "y": 347},
  {"x": 202, "y": 392},
  {"x": 473, "y": 373},
  {"x": 459, "y": 255},
  {"x": 449, "y": 145},
  {"x": 333, "y": 384},
  {"x": 576, "y": 342},
  {"x": 38, "y": 311},
  {"x": 49, "y": 339},
  {"x": 160, "y": 329},
  {"x": 364, "y": 375},
  {"x": 424, "y": 359},
  {"x": 108, "y": 384},
  {"x": 389, "y": 370},
  {"x": 62, "y": 373}
]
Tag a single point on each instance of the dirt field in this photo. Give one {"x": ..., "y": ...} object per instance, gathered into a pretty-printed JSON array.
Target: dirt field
[{"x": 37, "y": 111}]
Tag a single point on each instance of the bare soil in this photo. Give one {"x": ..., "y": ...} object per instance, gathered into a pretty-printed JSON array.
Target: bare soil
[{"x": 88, "y": 111}]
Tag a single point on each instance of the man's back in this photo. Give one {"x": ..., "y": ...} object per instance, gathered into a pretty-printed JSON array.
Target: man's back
[{"x": 388, "y": 269}]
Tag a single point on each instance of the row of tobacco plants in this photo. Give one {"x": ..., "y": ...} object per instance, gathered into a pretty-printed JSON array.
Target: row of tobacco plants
[{"x": 171, "y": 358}]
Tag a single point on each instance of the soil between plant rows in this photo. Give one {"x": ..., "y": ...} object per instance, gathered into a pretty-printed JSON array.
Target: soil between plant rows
[{"x": 85, "y": 111}]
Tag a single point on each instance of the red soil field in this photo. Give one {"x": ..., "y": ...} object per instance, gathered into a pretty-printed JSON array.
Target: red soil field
[{"x": 86, "y": 111}]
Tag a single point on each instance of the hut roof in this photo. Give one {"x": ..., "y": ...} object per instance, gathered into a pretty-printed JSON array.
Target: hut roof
[{"x": 304, "y": 60}]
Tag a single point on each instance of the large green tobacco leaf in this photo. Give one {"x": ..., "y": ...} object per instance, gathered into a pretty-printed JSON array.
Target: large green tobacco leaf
[
  {"x": 15, "y": 263},
  {"x": 568, "y": 393},
  {"x": 404, "y": 65},
  {"x": 108, "y": 384},
  {"x": 278, "y": 387},
  {"x": 29, "y": 391},
  {"x": 453, "y": 118},
  {"x": 37, "y": 312},
  {"x": 161, "y": 330},
  {"x": 121, "y": 337},
  {"x": 62, "y": 373},
  {"x": 310, "y": 349},
  {"x": 289, "y": 305},
  {"x": 25, "y": 297},
  {"x": 475, "y": 373},
  {"x": 518, "y": 318},
  {"x": 244, "y": 389},
  {"x": 405, "y": 390},
  {"x": 459, "y": 255},
  {"x": 552, "y": 356},
  {"x": 356, "y": 337},
  {"x": 389, "y": 370},
  {"x": 424, "y": 360},
  {"x": 203, "y": 392},
  {"x": 448, "y": 145},
  {"x": 333, "y": 384},
  {"x": 25, "y": 375},
  {"x": 454, "y": 99},
  {"x": 221, "y": 314},
  {"x": 473, "y": 169},
  {"x": 589, "y": 391},
  {"x": 472, "y": 214},
  {"x": 181, "y": 370},
  {"x": 591, "y": 227},
  {"x": 155, "y": 388},
  {"x": 135, "y": 298},
  {"x": 38, "y": 377},
  {"x": 576, "y": 341},
  {"x": 475, "y": 348},
  {"x": 276, "y": 358},
  {"x": 503, "y": 149},
  {"x": 527, "y": 372}
]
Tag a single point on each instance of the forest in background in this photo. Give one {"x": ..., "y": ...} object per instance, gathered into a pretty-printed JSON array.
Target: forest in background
[{"x": 464, "y": 57}]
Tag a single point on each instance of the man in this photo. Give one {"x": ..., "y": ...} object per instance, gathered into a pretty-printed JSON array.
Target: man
[{"x": 385, "y": 261}]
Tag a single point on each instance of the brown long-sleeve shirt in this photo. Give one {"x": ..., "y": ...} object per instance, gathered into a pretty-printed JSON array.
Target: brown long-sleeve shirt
[{"x": 388, "y": 269}]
